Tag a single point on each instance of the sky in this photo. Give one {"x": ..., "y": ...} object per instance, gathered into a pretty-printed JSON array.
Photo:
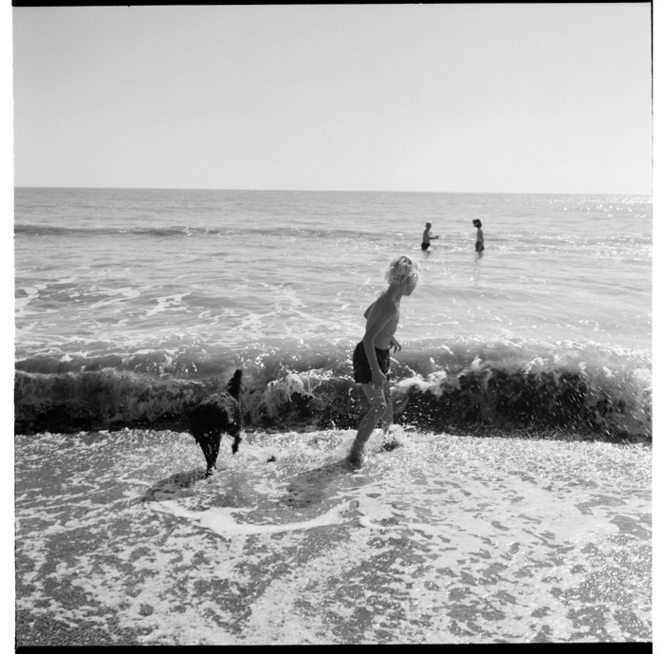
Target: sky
[{"x": 541, "y": 98}]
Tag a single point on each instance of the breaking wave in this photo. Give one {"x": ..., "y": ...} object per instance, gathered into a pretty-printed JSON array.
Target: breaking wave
[{"x": 600, "y": 392}]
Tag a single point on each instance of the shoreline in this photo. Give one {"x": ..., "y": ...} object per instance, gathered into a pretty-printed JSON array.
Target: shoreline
[{"x": 459, "y": 539}]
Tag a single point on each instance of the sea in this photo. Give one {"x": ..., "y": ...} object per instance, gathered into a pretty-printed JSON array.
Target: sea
[{"x": 510, "y": 502}]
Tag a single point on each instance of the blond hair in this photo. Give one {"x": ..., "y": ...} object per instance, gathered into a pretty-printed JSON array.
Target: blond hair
[{"x": 402, "y": 269}]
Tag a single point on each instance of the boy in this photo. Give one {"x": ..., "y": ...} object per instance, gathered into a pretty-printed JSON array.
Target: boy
[
  {"x": 427, "y": 237},
  {"x": 371, "y": 358}
]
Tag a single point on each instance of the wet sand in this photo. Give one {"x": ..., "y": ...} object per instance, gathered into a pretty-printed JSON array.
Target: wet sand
[{"x": 442, "y": 539}]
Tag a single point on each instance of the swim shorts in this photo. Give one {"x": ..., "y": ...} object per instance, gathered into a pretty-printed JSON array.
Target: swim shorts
[
  {"x": 479, "y": 247},
  {"x": 361, "y": 367},
  {"x": 426, "y": 246}
]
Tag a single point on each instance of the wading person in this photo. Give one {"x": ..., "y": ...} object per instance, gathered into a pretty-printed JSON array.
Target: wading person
[
  {"x": 479, "y": 239},
  {"x": 371, "y": 358},
  {"x": 427, "y": 237}
]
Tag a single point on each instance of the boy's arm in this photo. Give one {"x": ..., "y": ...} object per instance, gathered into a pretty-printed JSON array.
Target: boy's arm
[{"x": 378, "y": 318}]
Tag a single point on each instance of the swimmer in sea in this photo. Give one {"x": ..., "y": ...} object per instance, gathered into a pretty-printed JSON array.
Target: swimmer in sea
[
  {"x": 479, "y": 242},
  {"x": 371, "y": 358},
  {"x": 427, "y": 237}
]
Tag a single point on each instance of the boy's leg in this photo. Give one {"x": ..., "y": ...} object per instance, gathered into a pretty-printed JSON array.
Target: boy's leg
[
  {"x": 388, "y": 415},
  {"x": 377, "y": 407}
]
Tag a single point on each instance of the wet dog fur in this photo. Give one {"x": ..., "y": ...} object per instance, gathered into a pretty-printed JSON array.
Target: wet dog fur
[{"x": 218, "y": 414}]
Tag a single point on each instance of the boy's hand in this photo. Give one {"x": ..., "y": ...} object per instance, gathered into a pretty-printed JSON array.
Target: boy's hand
[
  {"x": 395, "y": 344},
  {"x": 378, "y": 381}
]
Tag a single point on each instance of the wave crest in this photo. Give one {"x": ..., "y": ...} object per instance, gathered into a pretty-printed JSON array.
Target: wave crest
[{"x": 536, "y": 395}]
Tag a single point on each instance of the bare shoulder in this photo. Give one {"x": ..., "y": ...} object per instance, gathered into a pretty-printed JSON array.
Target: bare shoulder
[{"x": 383, "y": 306}]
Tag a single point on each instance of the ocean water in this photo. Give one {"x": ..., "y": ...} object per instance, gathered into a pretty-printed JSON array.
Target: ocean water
[
  {"x": 189, "y": 285},
  {"x": 510, "y": 503}
]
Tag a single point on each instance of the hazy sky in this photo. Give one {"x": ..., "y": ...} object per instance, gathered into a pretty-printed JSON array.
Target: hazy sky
[{"x": 486, "y": 98}]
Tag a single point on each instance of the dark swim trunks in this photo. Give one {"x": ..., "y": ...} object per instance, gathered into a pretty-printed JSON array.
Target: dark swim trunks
[
  {"x": 361, "y": 367},
  {"x": 426, "y": 246},
  {"x": 479, "y": 247}
]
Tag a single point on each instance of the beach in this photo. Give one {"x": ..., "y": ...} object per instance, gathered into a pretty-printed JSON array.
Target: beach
[
  {"x": 206, "y": 194},
  {"x": 511, "y": 503},
  {"x": 438, "y": 538}
]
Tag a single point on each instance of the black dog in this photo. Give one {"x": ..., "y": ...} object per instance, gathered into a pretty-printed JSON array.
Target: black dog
[{"x": 219, "y": 413}]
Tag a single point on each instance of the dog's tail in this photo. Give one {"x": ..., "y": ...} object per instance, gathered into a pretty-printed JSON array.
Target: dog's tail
[{"x": 235, "y": 385}]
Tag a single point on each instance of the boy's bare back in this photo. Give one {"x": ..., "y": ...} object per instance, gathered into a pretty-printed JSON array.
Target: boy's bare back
[{"x": 382, "y": 321}]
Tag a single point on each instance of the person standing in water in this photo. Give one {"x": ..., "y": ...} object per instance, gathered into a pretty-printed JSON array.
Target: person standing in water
[
  {"x": 479, "y": 242},
  {"x": 371, "y": 358},
  {"x": 427, "y": 237}
]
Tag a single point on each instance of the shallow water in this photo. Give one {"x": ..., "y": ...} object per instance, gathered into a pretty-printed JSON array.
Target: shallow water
[
  {"x": 437, "y": 538},
  {"x": 128, "y": 299},
  {"x": 123, "y": 288},
  {"x": 212, "y": 274}
]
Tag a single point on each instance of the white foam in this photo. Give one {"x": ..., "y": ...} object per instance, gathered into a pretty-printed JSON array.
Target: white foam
[
  {"x": 166, "y": 302},
  {"x": 444, "y": 539},
  {"x": 221, "y": 520},
  {"x": 122, "y": 295}
]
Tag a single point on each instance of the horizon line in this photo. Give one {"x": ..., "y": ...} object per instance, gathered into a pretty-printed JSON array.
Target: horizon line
[{"x": 286, "y": 190}]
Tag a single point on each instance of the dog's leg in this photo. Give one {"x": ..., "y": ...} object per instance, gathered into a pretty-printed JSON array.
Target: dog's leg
[
  {"x": 236, "y": 443},
  {"x": 210, "y": 447}
]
